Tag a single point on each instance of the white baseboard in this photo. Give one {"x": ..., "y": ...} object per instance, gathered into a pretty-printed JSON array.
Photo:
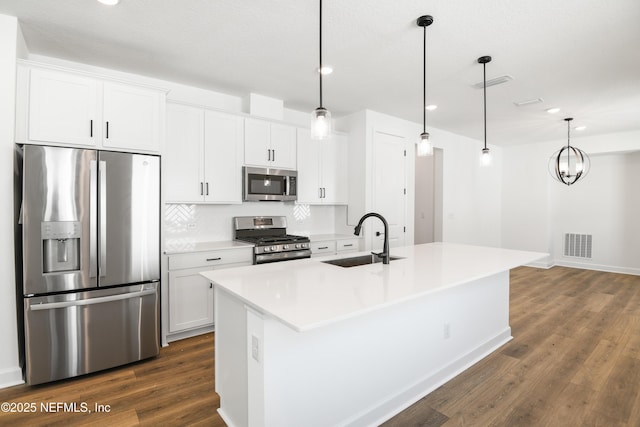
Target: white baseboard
[
  {"x": 598, "y": 267},
  {"x": 11, "y": 377}
]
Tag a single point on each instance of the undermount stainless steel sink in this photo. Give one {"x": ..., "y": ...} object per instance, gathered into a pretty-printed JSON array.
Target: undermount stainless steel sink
[{"x": 357, "y": 260}]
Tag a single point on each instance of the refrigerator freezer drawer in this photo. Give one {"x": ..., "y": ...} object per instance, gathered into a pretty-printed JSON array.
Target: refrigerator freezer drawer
[{"x": 83, "y": 332}]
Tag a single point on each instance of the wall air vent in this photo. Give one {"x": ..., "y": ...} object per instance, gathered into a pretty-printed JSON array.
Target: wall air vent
[
  {"x": 577, "y": 245},
  {"x": 493, "y": 82}
]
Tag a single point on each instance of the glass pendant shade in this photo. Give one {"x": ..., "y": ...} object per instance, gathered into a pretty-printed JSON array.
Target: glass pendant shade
[
  {"x": 485, "y": 159},
  {"x": 424, "y": 145},
  {"x": 320, "y": 123}
]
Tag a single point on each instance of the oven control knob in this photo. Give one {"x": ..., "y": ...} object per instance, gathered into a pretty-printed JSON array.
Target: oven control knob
[
  {"x": 285, "y": 247},
  {"x": 297, "y": 246},
  {"x": 266, "y": 249},
  {"x": 273, "y": 248}
]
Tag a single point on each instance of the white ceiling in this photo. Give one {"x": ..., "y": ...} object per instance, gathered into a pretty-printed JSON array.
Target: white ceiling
[{"x": 580, "y": 55}]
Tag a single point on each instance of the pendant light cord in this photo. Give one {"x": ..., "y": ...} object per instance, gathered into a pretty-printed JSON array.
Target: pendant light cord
[
  {"x": 424, "y": 86},
  {"x": 320, "y": 69},
  {"x": 484, "y": 77}
]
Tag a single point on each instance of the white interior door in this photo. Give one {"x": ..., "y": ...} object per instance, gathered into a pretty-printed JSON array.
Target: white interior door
[{"x": 389, "y": 188}]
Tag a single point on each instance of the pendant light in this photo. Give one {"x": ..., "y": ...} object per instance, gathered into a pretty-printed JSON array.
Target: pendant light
[
  {"x": 485, "y": 159},
  {"x": 425, "y": 148},
  {"x": 321, "y": 117},
  {"x": 569, "y": 164}
]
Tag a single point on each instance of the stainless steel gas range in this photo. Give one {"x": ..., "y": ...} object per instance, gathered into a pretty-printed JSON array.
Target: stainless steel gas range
[{"x": 269, "y": 235}]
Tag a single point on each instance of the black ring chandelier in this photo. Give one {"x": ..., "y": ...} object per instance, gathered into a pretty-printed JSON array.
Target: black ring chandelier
[{"x": 569, "y": 164}]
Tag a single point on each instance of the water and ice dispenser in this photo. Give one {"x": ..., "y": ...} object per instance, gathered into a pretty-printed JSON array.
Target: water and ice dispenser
[{"x": 61, "y": 246}]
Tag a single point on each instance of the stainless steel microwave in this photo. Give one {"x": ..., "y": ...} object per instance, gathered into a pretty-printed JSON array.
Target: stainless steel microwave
[{"x": 266, "y": 184}]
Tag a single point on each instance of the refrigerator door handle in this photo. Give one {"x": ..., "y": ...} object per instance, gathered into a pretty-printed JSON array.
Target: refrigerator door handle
[
  {"x": 91, "y": 301},
  {"x": 103, "y": 219},
  {"x": 93, "y": 218}
]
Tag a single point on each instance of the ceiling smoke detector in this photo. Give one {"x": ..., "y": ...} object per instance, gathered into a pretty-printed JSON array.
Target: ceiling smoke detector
[{"x": 493, "y": 82}]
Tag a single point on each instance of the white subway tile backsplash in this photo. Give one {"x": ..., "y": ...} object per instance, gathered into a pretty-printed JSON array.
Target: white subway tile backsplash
[{"x": 214, "y": 222}]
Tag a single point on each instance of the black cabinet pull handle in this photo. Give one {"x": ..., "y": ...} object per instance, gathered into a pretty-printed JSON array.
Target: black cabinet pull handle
[
  {"x": 107, "y": 130},
  {"x": 214, "y": 259},
  {"x": 202, "y": 189},
  {"x": 91, "y": 128},
  {"x": 268, "y": 154},
  {"x": 346, "y": 246},
  {"x": 273, "y": 157},
  {"x": 210, "y": 285},
  {"x": 207, "y": 185},
  {"x": 324, "y": 247}
]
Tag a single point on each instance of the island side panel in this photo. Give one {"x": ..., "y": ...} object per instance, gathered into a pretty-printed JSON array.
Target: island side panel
[
  {"x": 364, "y": 370},
  {"x": 231, "y": 382}
]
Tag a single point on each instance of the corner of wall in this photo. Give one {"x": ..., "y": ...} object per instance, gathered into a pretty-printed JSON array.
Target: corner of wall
[{"x": 10, "y": 371}]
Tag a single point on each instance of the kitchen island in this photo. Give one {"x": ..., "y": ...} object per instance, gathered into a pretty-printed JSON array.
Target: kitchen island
[{"x": 309, "y": 343}]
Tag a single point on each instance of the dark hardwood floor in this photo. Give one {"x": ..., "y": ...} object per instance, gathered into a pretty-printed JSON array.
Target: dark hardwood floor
[{"x": 574, "y": 361}]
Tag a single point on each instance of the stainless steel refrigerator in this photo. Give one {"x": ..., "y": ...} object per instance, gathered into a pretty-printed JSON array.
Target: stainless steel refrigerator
[{"x": 88, "y": 266}]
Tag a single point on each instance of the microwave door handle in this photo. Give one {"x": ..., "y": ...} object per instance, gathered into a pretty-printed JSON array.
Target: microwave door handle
[
  {"x": 103, "y": 219},
  {"x": 286, "y": 185},
  {"x": 93, "y": 218}
]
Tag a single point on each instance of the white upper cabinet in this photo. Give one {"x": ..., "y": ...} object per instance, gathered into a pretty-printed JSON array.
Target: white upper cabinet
[
  {"x": 202, "y": 160},
  {"x": 71, "y": 108},
  {"x": 269, "y": 144},
  {"x": 131, "y": 117},
  {"x": 322, "y": 174},
  {"x": 183, "y": 159},
  {"x": 223, "y": 157},
  {"x": 63, "y": 108}
]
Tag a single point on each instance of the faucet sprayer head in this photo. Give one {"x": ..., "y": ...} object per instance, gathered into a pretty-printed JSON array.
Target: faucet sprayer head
[{"x": 356, "y": 231}]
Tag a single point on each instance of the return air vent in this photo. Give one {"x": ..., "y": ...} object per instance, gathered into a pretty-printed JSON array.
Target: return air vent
[{"x": 578, "y": 245}]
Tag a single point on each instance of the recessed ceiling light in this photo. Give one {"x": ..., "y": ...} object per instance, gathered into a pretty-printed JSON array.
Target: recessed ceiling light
[
  {"x": 430, "y": 107},
  {"x": 553, "y": 110},
  {"x": 326, "y": 69},
  {"x": 580, "y": 128},
  {"x": 109, "y": 2}
]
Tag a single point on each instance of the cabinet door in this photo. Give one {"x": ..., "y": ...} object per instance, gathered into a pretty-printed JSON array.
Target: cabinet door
[
  {"x": 334, "y": 170},
  {"x": 283, "y": 146},
  {"x": 63, "y": 108},
  {"x": 223, "y": 157},
  {"x": 257, "y": 149},
  {"x": 182, "y": 164},
  {"x": 190, "y": 300},
  {"x": 308, "y": 153},
  {"x": 131, "y": 117}
]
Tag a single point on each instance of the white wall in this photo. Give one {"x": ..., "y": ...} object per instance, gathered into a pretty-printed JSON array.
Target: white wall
[
  {"x": 472, "y": 194},
  {"x": 607, "y": 206},
  {"x": 10, "y": 372},
  {"x": 525, "y": 199},
  {"x": 537, "y": 210}
]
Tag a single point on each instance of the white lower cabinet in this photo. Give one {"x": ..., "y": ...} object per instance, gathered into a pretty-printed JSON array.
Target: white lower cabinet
[
  {"x": 190, "y": 299},
  {"x": 334, "y": 246},
  {"x": 347, "y": 245},
  {"x": 191, "y": 295},
  {"x": 325, "y": 247}
]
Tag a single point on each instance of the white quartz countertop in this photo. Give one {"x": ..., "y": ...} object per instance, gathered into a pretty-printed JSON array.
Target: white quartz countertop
[
  {"x": 181, "y": 246},
  {"x": 308, "y": 294}
]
